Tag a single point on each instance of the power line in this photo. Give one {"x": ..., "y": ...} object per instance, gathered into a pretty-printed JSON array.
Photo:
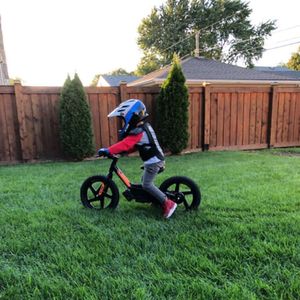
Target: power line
[
  {"x": 251, "y": 48},
  {"x": 298, "y": 42},
  {"x": 272, "y": 48},
  {"x": 192, "y": 35},
  {"x": 234, "y": 14},
  {"x": 202, "y": 29},
  {"x": 264, "y": 49},
  {"x": 244, "y": 41},
  {"x": 285, "y": 29},
  {"x": 286, "y": 40}
]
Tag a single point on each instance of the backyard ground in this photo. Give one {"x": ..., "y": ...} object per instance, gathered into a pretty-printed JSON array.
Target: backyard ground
[{"x": 243, "y": 243}]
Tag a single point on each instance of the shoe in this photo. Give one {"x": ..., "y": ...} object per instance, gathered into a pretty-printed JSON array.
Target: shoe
[{"x": 169, "y": 207}]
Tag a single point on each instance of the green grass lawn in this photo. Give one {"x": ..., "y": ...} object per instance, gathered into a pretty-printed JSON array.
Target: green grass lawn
[{"x": 243, "y": 243}]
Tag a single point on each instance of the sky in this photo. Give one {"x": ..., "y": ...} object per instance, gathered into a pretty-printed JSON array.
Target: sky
[{"x": 45, "y": 40}]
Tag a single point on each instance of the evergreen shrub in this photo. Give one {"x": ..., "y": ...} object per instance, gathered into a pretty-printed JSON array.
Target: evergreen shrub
[
  {"x": 76, "y": 133},
  {"x": 172, "y": 110}
]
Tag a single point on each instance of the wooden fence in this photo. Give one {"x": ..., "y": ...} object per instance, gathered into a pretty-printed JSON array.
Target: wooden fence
[{"x": 220, "y": 117}]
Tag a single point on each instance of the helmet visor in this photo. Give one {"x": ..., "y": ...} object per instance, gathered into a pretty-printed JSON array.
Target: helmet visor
[{"x": 123, "y": 109}]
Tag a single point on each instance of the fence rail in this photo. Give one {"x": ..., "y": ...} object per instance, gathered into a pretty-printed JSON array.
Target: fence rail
[{"x": 220, "y": 117}]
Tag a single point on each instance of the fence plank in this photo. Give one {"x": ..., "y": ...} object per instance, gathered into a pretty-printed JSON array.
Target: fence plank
[
  {"x": 37, "y": 117},
  {"x": 252, "y": 124},
  {"x": 227, "y": 115},
  {"x": 246, "y": 119},
  {"x": 280, "y": 118},
  {"x": 240, "y": 119},
  {"x": 220, "y": 120},
  {"x": 149, "y": 102},
  {"x": 10, "y": 118},
  {"x": 213, "y": 119},
  {"x": 103, "y": 110},
  {"x": 291, "y": 119},
  {"x": 259, "y": 116},
  {"x": 297, "y": 119},
  {"x": 46, "y": 128},
  {"x": 207, "y": 103},
  {"x": 286, "y": 114},
  {"x": 4, "y": 143},
  {"x": 195, "y": 122},
  {"x": 54, "y": 100},
  {"x": 94, "y": 108},
  {"x": 201, "y": 121},
  {"x": 274, "y": 116},
  {"x": 30, "y": 141},
  {"x": 189, "y": 143},
  {"x": 113, "y": 126},
  {"x": 21, "y": 121},
  {"x": 233, "y": 119},
  {"x": 265, "y": 118}
]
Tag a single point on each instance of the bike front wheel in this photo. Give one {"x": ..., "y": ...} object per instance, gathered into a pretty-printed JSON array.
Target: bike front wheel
[
  {"x": 182, "y": 190},
  {"x": 99, "y": 192}
]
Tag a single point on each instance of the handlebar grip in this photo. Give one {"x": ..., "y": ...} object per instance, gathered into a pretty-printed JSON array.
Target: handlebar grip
[{"x": 111, "y": 156}]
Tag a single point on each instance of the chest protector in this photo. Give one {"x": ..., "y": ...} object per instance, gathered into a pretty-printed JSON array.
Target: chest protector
[{"x": 149, "y": 147}]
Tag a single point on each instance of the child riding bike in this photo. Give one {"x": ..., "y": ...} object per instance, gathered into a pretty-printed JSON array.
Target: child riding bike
[{"x": 136, "y": 134}]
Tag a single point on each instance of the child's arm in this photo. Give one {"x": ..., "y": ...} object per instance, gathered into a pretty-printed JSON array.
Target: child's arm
[{"x": 126, "y": 145}]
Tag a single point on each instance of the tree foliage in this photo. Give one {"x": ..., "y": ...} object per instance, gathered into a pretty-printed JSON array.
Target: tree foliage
[
  {"x": 148, "y": 63},
  {"x": 294, "y": 61},
  {"x": 226, "y": 32},
  {"x": 172, "y": 110},
  {"x": 95, "y": 80},
  {"x": 75, "y": 121},
  {"x": 119, "y": 71}
]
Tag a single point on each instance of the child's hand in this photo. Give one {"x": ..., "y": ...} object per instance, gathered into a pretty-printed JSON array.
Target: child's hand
[{"x": 103, "y": 152}]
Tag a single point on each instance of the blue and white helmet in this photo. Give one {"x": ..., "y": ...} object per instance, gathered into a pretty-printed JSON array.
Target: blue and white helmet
[{"x": 131, "y": 111}]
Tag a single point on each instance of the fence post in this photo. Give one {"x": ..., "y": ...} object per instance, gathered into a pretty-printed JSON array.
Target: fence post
[
  {"x": 21, "y": 119},
  {"x": 123, "y": 91},
  {"x": 273, "y": 117},
  {"x": 206, "y": 117}
]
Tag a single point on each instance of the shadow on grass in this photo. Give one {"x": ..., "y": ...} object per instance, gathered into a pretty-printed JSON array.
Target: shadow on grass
[{"x": 132, "y": 211}]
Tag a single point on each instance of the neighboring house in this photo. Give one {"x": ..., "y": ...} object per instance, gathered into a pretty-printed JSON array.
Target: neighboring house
[
  {"x": 201, "y": 71},
  {"x": 4, "y": 79},
  {"x": 282, "y": 71},
  {"x": 115, "y": 80}
]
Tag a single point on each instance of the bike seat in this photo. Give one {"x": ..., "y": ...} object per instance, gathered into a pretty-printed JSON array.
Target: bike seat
[
  {"x": 159, "y": 171},
  {"x": 136, "y": 186}
]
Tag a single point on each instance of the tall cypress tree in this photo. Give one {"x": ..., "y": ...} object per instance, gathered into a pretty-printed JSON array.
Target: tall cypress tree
[
  {"x": 75, "y": 121},
  {"x": 172, "y": 110}
]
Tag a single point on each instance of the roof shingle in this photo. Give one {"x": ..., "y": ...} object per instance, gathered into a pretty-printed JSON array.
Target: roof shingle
[{"x": 203, "y": 69}]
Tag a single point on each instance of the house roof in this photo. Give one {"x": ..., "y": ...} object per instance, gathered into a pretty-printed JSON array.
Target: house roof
[
  {"x": 282, "y": 71},
  {"x": 199, "y": 70},
  {"x": 115, "y": 80},
  {"x": 271, "y": 69}
]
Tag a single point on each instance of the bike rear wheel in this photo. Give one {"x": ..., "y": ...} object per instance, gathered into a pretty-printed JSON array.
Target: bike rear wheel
[
  {"x": 182, "y": 190},
  {"x": 99, "y": 192}
]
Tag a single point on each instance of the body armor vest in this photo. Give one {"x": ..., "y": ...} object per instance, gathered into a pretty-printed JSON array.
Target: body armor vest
[{"x": 149, "y": 147}]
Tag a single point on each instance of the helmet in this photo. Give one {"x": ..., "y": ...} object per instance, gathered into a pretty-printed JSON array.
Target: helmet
[{"x": 131, "y": 111}]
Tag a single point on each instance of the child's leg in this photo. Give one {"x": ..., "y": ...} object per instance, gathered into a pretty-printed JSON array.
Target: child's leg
[{"x": 150, "y": 172}]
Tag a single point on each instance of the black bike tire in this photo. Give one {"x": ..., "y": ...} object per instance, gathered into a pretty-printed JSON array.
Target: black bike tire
[
  {"x": 188, "y": 182},
  {"x": 109, "y": 185}
]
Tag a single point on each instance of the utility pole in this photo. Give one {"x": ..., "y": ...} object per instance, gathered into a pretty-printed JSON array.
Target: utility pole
[
  {"x": 197, "y": 37},
  {"x": 4, "y": 79}
]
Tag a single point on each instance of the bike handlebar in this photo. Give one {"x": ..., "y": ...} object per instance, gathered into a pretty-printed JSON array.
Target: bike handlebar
[{"x": 110, "y": 156}]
